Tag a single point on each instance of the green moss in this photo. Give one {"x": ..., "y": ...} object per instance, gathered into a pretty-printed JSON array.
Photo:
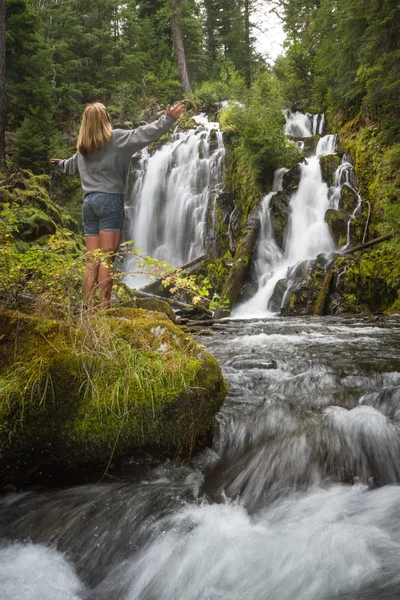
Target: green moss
[
  {"x": 80, "y": 394},
  {"x": 167, "y": 137},
  {"x": 365, "y": 282},
  {"x": 377, "y": 166},
  {"x": 395, "y": 308},
  {"x": 29, "y": 195},
  {"x": 215, "y": 272}
]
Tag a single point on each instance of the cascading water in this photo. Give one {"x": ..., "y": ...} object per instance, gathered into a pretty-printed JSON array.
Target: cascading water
[
  {"x": 298, "y": 498},
  {"x": 300, "y": 125},
  {"x": 307, "y": 233},
  {"x": 168, "y": 196}
]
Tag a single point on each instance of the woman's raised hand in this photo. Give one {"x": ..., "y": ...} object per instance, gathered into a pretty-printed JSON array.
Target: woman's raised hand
[
  {"x": 175, "y": 111},
  {"x": 55, "y": 161}
]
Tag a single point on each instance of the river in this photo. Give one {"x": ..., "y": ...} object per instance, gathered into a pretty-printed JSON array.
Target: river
[{"x": 297, "y": 499}]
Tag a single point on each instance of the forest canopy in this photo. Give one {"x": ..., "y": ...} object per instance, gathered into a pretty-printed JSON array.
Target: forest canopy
[{"x": 341, "y": 57}]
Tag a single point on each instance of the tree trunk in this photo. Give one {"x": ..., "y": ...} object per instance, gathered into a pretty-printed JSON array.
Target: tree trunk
[
  {"x": 240, "y": 265},
  {"x": 247, "y": 49},
  {"x": 371, "y": 243},
  {"x": 179, "y": 47},
  {"x": 212, "y": 49},
  {"x": 2, "y": 82}
]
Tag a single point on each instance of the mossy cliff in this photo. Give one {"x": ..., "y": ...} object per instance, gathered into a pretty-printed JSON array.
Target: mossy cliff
[
  {"x": 34, "y": 215},
  {"x": 367, "y": 280},
  {"x": 370, "y": 280},
  {"x": 73, "y": 395}
]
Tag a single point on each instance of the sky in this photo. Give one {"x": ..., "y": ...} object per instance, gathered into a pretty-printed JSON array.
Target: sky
[{"x": 269, "y": 33}]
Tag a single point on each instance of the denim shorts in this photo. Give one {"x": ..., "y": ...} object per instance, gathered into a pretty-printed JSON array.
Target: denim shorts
[{"x": 103, "y": 212}]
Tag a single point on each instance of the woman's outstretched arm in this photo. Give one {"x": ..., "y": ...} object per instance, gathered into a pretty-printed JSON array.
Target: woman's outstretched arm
[{"x": 69, "y": 166}]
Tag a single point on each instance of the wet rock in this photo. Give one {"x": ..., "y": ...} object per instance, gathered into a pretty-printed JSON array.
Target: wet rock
[
  {"x": 338, "y": 223},
  {"x": 240, "y": 265},
  {"x": 329, "y": 163},
  {"x": 358, "y": 225},
  {"x": 276, "y": 300},
  {"x": 310, "y": 145},
  {"x": 251, "y": 363},
  {"x": 234, "y": 230},
  {"x": 349, "y": 199},
  {"x": 279, "y": 213},
  {"x": 291, "y": 179},
  {"x": 153, "y": 113},
  {"x": 304, "y": 286},
  {"x": 219, "y": 209}
]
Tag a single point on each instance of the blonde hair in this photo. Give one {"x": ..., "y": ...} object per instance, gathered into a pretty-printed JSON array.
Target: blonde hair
[{"x": 95, "y": 131}]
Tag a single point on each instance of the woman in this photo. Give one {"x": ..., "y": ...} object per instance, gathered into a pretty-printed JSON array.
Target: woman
[{"x": 102, "y": 162}]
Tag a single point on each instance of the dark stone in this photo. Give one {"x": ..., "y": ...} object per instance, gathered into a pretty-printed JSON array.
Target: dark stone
[
  {"x": 279, "y": 212},
  {"x": 234, "y": 230},
  {"x": 358, "y": 224},
  {"x": 251, "y": 363},
  {"x": 219, "y": 209},
  {"x": 310, "y": 145},
  {"x": 338, "y": 225},
  {"x": 291, "y": 179},
  {"x": 329, "y": 163},
  {"x": 349, "y": 199},
  {"x": 276, "y": 299}
]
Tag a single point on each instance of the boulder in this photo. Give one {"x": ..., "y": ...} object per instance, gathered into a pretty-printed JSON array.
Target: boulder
[
  {"x": 329, "y": 163},
  {"x": 338, "y": 223},
  {"x": 76, "y": 396},
  {"x": 310, "y": 145},
  {"x": 291, "y": 179},
  {"x": 279, "y": 214},
  {"x": 349, "y": 199}
]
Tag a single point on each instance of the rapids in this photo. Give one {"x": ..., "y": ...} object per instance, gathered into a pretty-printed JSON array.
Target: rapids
[{"x": 297, "y": 499}]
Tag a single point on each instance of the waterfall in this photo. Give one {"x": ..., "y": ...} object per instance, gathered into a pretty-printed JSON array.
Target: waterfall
[
  {"x": 300, "y": 125},
  {"x": 168, "y": 196},
  {"x": 307, "y": 233}
]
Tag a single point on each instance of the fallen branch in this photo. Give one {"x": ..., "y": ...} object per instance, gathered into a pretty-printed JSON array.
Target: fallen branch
[
  {"x": 154, "y": 285},
  {"x": 174, "y": 303},
  {"x": 240, "y": 265},
  {"x": 371, "y": 243}
]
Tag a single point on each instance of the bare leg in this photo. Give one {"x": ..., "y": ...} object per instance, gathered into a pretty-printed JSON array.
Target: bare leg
[
  {"x": 109, "y": 242},
  {"x": 90, "y": 277}
]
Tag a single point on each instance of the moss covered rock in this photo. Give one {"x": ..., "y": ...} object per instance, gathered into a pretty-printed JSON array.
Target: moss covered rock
[
  {"x": 36, "y": 214},
  {"x": 310, "y": 145},
  {"x": 79, "y": 395},
  {"x": 348, "y": 200},
  {"x": 329, "y": 163},
  {"x": 291, "y": 179},
  {"x": 219, "y": 210},
  {"x": 338, "y": 223}
]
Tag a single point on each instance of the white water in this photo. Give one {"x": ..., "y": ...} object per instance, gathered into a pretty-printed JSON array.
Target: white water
[
  {"x": 298, "y": 498},
  {"x": 168, "y": 200},
  {"x": 307, "y": 233},
  {"x": 302, "y": 125}
]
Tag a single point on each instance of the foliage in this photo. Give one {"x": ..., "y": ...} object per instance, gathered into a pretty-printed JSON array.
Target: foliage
[
  {"x": 256, "y": 131},
  {"x": 228, "y": 85},
  {"x": 82, "y": 392},
  {"x": 343, "y": 56}
]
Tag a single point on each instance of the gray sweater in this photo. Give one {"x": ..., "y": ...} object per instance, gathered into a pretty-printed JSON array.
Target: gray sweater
[{"x": 107, "y": 169}]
